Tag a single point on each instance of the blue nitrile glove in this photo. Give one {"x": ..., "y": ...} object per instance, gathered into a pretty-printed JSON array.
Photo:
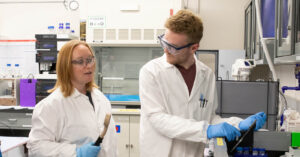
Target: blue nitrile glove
[
  {"x": 88, "y": 150},
  {"x": 223, "y": 130},
  {"x": 260, "y": 121}
]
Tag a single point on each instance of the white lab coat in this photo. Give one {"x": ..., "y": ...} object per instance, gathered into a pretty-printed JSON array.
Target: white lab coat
[
  {"x": 172, "y": 121},
  {"x": 60, "y": 124}
]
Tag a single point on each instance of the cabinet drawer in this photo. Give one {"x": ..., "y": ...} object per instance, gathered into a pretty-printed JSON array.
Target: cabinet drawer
[{"x": 12, "y": 120}]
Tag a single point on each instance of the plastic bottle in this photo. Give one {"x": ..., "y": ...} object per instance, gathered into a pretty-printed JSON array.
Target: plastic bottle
[
  {"x": 51, "y": 30},
  {"x": 2, "y": 72},
  {"x": 61, "y": 32},
  {"x": 61, "y": 28},
  {"x": 0, "y": 150},
  {"x": 255, "y": 152},
  {"x": 17, "y": 71},
  {"x": 211, "y": 148},
  {"x": 262, "y": 152},
  {"x": 8, "y": 71},
  {"x": 239, "y": 152},
  {"x": 68, "y": 28},
  {"x": 246, "y": 151}
]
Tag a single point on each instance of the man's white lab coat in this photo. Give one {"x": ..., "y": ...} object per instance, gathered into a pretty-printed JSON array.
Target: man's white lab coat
[{"x": 174, "y": 123}]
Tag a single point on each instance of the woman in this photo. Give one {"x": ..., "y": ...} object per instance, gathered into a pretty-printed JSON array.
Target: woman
[{"x": 71, "y": 118}]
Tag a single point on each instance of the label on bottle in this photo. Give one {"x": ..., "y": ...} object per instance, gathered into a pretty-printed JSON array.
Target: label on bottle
[{"x": 220, "y": 141}]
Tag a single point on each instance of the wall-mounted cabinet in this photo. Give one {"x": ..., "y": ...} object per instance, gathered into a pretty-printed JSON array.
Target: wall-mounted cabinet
[{"x": 281, "y": 30}]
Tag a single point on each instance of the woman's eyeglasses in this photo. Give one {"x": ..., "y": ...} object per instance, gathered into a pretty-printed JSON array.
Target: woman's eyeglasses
[{"x": 84, "y": 61}]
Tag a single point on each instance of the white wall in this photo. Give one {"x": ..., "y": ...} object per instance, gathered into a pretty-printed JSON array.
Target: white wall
[
  {"x": 148, "y": 15},
  {"x": 151, "y": 13},
  {"x": 22, "y": 21},
  {"x": 223, "y": 24}
]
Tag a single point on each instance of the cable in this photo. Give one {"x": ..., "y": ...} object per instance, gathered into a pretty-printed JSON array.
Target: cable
[{"x": 280, "y": 92}]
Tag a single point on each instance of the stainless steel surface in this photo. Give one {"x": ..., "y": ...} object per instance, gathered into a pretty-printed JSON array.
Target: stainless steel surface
[
  {"x": 125, "y": 103},
  {"x": 272, "y": 140}
]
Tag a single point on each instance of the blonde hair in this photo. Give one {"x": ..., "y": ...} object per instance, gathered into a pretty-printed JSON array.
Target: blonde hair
[
  {"x": 64, "y": 68},
  {"x": 187, "y": 23}
]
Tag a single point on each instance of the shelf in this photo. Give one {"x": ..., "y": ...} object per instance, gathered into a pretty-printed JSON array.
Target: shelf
[
  {"x": 99, "y": 44},
  {"x": 288, "y": 59},
  {"x": 125, "y": 103},
  {"x": 15, "y": 107},
  {"x": 126, "y": 111},
  {"x": 260, "y": 62}
]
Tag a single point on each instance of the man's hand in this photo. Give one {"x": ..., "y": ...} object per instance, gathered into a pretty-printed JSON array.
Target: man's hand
[
  {"x": 223, "y": 130},
  {"x": 260, "y": 121}
]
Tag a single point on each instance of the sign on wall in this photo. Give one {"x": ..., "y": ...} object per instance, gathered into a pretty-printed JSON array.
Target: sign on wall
[{"x": 96, "y": 22}]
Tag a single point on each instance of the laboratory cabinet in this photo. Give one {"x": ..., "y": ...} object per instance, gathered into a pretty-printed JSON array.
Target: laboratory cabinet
[
  {"x": 252, "y": 43},
  {"x": 15, "y": 119},
  {"x": 127, "y": 127},
  {"x": 245, "y": 98},
  {"x": 281, "y": 30},
  {"x": 9, "y": 91}
]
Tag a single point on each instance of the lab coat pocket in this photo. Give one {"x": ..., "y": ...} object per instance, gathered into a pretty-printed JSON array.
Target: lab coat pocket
[{"x": 201, "y": 109}]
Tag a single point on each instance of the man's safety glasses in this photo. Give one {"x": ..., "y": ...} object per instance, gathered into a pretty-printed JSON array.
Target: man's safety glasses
[
  {"x": 84, "y": 61},
  {"x": 171, "y": 48}
]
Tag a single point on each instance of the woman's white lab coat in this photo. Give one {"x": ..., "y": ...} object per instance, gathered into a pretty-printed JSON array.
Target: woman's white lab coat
[
  {"x": 174, "y": 123},
  {"x": 60, "y": 124}
]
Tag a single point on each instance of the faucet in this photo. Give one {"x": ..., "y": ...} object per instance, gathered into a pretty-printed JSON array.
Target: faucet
[{"x": 297, "y": 75}]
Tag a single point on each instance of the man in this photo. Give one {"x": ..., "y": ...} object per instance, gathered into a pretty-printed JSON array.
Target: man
[{"x": 178, "y": 96}]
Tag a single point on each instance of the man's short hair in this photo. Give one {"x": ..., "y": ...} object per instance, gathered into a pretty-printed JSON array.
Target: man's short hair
[{"x": 187, "y": 23}]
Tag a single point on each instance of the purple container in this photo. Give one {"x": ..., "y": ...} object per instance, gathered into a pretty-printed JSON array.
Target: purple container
[{"x": 27, "y": 92}]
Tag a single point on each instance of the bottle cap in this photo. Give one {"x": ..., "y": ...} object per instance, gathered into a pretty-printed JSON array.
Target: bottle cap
[
  {"x": 246, "y": 148},
  {"x": 239, "y": 149}
]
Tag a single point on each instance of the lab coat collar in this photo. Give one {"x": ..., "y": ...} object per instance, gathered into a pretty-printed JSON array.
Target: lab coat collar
[
  {"x": 168, "y": 65},
  {"x": 165, "y": 63},
  {"x": 76, "y": 94}
]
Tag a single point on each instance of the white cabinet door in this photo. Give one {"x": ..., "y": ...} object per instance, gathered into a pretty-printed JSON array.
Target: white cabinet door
[
  {"x": 134, "y": 135},
  {"x": 122, "y": 121}
]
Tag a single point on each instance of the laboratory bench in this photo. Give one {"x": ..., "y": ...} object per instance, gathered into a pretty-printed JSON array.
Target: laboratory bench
[
  {"x": 14, "y": 146},
  {"x": 15, "y": 121}
]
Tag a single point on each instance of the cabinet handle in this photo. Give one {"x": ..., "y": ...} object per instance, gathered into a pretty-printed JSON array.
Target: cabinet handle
[
  {"x": 127, "y": 145},
  {"x": 27, "y": 126},
  {"x": 131, "y": 145},
  {"x": 28, "y": 114},
  {"x": 12, "y": 120}
]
